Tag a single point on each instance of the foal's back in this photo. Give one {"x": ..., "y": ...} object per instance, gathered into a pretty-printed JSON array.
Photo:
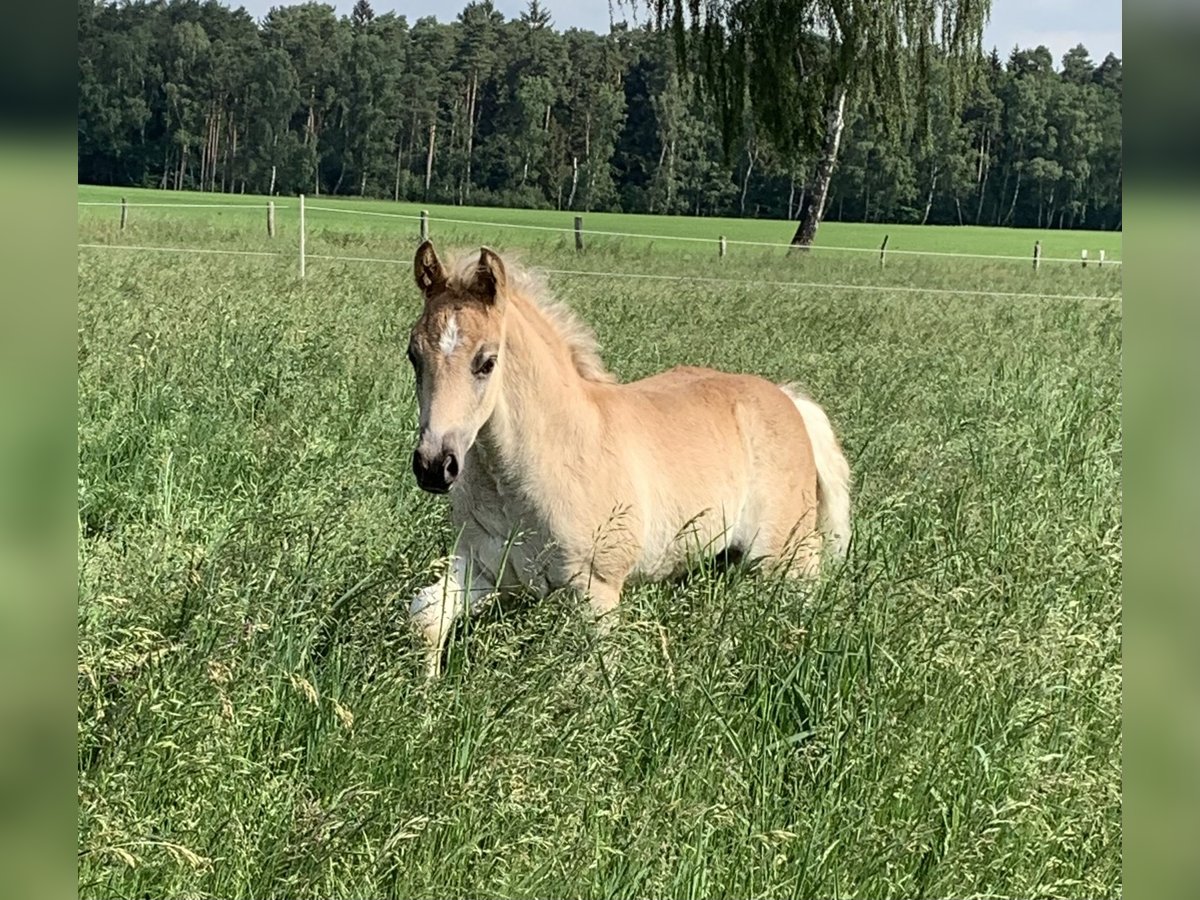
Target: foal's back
[{"x": 726, "y": 456}]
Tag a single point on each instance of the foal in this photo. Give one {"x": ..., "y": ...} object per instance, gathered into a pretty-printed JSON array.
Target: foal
[{"x": 560, "y": 477}]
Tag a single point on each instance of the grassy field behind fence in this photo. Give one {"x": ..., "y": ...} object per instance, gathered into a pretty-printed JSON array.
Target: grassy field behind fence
[
  {"x": 976, "y": 240},
  {"x": 941, "y": 717}
]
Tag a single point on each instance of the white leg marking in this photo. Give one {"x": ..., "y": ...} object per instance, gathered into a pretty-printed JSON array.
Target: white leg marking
[
  {"x": 448, "y": 342},
  {"x": 435, "y": 608}
]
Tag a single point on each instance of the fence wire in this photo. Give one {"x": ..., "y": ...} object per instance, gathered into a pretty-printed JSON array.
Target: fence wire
[
  {"x": 475, "y": 223},
  {"x": 646, "y": 276}
]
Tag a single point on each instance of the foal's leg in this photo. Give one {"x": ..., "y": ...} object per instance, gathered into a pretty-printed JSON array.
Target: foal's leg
[
  {"x": 603, "y": 599},
  {"x": 792, "y": 549},
  {"x": 437, "y": 607}
]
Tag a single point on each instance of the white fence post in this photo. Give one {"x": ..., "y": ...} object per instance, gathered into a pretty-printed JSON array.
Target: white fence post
[
  {"x": 1083, "y": 257},
  {"x": 424, "y": 225},
  {"x": 721, "y": 251},
  {"x": 1100, "y": 261},
  {"x": 124, "y": 213},
  {"x": 301, "y": 235},
  {"x": 270, "y": 218}
]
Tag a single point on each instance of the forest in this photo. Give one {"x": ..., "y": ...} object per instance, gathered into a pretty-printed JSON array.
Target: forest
[{"x": 191, "y": 95}]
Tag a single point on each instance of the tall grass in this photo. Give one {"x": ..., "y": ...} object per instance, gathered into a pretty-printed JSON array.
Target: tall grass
[{"x": 940, "y": 717}]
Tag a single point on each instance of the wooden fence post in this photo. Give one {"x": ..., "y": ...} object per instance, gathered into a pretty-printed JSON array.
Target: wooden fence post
[
  {"x": 579, "y": 232},
  {"x": 1083, "y": 257},
  {"x": 301, "y": 235},
  {"x": 124, "y": 213},
  {"x": 721, "y": 251},
  {"x": 1037, "y": 255},
  {"x": 424, "y": 225},
  {"x": 883, "y": 250},
  {"x": 270, "y": 218}
]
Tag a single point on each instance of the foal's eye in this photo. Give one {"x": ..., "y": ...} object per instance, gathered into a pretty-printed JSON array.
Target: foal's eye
[{"x": 485, "y": 366}]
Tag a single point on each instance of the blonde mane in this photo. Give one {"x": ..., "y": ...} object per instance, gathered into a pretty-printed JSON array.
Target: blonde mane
[{"x": 573, "y": 331}]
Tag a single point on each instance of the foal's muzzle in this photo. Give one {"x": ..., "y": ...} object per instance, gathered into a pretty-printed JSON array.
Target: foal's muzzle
[{"x": 436, "y": 472}]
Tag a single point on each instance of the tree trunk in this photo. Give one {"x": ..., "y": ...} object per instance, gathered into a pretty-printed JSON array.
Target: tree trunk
[
  {"x": 746, "y": 180},
  {"x": 574, "y": 181},
  {"x": 465, "y": 192},
  {"x": 214, "y": 155},
  {"x": 982, "y": 177},
  {"x": 396, "y": 191},
  {"x": 205, "y": 148},
  {"x": 929, "y": 197},
  {"x": 227, "y": 172},
  {"x": 310, "y": 135},
  {"x": 587, "y": 160},
  {"x": 835, "y": 121},
  {"x": 658, "y": 174},
  {"x": 337, "y": 185},
  {"x": 310, "y": 123},
  {"x": 670, "y": 176},
  {"x": 1012, "y": 206},
  {"x": 1002, "y": 193},
  {"x": 429, "y": 159}
]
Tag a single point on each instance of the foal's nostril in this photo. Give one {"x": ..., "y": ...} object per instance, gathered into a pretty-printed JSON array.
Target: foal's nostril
[{"x": 450, "y": 467}]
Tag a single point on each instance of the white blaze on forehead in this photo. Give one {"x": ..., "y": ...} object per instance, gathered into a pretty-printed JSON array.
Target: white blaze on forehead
[{"x": 448, "y": 342}]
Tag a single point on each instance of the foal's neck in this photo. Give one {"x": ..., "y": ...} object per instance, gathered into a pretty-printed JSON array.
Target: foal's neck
[{"x": 545, "y": 409}]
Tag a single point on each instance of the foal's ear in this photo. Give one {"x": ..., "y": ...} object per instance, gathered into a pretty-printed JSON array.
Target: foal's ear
[
  {"x": 490, "y": 277},
  {"x": 428, "y": 271}
]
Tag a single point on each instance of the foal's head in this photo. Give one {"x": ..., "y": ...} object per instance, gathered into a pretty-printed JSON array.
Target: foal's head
[{"x": 457, "y": 354}]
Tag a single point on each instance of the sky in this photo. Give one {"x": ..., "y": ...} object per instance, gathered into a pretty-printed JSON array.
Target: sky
[{"x": 1059, "y": 24}]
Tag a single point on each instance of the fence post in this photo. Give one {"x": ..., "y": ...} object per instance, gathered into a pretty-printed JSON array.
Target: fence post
[
  {"x": 1037, "y": 255},
  {"x": 579, "y": 233},
  {"x": 883, "y": 250},
  {"x": 424, "y": 225},
  {"x": 722, "y": 247},
  {"x": 124, "y": 213},
  {"x": 301, "y": 235},
  {"x": 1100, "y": 261},
  {"x": 270, "y": 218},
  {"x": 1083, "y": 257}
]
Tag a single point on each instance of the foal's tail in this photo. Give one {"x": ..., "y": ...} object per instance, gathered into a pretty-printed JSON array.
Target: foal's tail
[{"x": 833, "y": 473}]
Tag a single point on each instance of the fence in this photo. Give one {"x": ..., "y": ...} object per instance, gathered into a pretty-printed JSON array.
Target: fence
[{"x": 721, "y": 243}]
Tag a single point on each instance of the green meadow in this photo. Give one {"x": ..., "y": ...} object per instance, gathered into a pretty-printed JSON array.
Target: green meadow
[
  {"x": 940, "y": 239},
  {"x": 939, "y": 716}
]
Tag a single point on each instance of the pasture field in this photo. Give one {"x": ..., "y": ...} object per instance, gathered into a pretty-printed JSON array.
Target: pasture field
[
  {"x": 940, "y": 716},
  {"x": 941, "y": 239}
]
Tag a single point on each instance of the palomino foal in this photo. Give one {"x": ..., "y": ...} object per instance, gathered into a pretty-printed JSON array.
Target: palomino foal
[{"x": 560, "y": 477}]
